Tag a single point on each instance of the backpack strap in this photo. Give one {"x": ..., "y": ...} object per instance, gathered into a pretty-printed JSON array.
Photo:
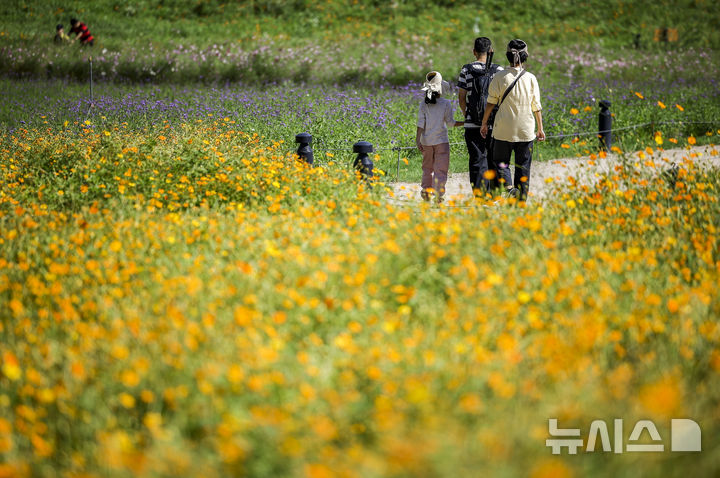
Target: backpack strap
[
  {"x": 474, "y": 72},
  {"x": 509, "y": 88}
]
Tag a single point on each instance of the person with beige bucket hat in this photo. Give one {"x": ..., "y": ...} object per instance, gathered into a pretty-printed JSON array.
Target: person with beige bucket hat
[{"x": 435, "y": 114}]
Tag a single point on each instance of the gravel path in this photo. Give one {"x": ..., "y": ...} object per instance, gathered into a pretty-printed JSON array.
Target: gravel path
[{"x": 584, "y": 170}]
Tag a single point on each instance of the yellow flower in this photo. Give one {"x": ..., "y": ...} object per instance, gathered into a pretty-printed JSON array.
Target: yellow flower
[
  {"x": 130, "y": 378},
  {"x": 6, "y": 441},
  {"x": 374, "y": 373},
  {"x": 691, "y": 140},
  {"x": 42, "y": 447},
  {"x": 318, "y": 470},
  {"x": 16, "y": 307},
  {"x": 574, "y": 111},
  {"x": 679, "y": 107},
  {"x": 11, "y": 367},
  {"x": 153, "y": 421},
  {"x": 235, "y": 374},
  {"x": 639, "y": 95},
  {"x": 661, "y": 105},
  {"x": 662, "y": 398},
  {"x": 127, "y": 400},
  {"x": 147, "y": 396},
  {"x": 551, "y": 468}
]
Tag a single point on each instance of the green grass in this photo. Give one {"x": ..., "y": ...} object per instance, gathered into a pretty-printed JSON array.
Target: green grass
[
  {"x": 206, "y": 22},
  {"x": 367, "y": 41}
]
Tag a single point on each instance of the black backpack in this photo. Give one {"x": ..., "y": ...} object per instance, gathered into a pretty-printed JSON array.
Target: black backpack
[{"x": 478, "y": 91}]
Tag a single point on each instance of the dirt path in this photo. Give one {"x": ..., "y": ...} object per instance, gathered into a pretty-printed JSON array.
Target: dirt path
[{"x": 584, "y": 170}]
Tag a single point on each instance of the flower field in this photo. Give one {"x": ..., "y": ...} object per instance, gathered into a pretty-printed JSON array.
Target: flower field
[
  {"x": 676, "y": 105},
  {"x": 188, "y": 299},
  {"x": 180, "y": 295}
]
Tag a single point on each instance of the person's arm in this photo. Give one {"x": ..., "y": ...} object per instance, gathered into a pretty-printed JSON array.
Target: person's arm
[
  {"x": 484, "y": 126},
  {"x": 450, "y": 117},
  {"x": 462, "y": 100},
  {"x": 537, "y": 110},
  {"x": 420, "y": 125},
  {"x": 462, "y": 91},
  {"x": 540, "y": 131},
  {"x": 420, "y": 132}
]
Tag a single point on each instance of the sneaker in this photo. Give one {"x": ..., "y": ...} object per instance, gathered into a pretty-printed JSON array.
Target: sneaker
[{"x": 512, "y": 192}]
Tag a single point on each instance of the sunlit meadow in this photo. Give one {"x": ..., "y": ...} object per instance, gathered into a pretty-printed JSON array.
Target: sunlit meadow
[
  {"x": 180, "y": 295},
  {"x": 193, "y": 300}
]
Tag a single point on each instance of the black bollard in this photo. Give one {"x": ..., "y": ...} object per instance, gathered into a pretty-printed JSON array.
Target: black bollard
[
  {"x": 304, "y": 151},
  {"x": 605, "y": 126},
  {"x": 363, "y": 163}
]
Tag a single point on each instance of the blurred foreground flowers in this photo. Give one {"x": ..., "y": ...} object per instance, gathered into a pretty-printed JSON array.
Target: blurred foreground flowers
[{"x": 204, "y": 304}]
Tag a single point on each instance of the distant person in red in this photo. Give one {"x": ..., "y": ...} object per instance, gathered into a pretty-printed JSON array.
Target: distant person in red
[{"x": 81, "y": 32}]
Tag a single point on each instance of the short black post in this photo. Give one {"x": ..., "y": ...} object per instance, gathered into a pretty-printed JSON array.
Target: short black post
[
  {"x": 304, "y": 151},
  {"x": 605, "y": 126},
  {"x": 363, "y": 163}
]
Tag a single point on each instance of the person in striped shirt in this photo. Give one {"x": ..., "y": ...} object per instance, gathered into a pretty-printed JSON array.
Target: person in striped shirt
[{"x": 81, "y": 32}]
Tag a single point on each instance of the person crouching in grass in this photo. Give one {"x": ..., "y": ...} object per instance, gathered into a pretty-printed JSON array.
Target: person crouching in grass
[
  {"x": 434, "y": 116},
  {"x": 81, "y": 32},
  {"x": 61, "y": 38}
]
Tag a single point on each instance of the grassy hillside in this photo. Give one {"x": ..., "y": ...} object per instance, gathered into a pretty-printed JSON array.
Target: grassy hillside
[
  {"x": 366, "y": 40},
  {"x": 203, "y": 22}
]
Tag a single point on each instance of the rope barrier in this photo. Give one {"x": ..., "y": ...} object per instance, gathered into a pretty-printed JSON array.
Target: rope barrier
[
  {"x": 555, "y": 136},
  {"x": 399, "y": 149}
]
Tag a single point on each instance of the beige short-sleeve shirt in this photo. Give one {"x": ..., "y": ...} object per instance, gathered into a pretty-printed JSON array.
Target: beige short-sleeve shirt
[{"x": 514, "y": 120}]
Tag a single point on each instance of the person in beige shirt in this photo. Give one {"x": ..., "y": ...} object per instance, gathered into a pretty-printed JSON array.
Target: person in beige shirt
[{"x": 518, "y": 112}]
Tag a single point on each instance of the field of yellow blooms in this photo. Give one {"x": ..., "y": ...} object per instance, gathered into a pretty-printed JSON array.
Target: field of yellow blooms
[{"x": 194, "y": 301}]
